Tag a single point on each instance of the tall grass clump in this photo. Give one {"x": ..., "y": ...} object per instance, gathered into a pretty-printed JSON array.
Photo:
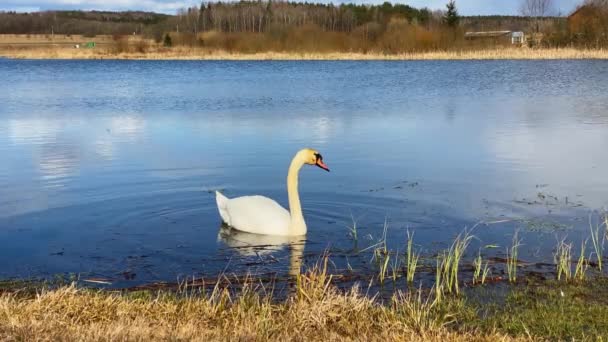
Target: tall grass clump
[
  {"x": 314, "y": 284},
  {"x": 512, "y": 254},
  {"x": 412, "y": 258},
  {"x": 448, "y": 262},
  {"x": 563, "y": 262},
  {"x": 419, "y": 312}
]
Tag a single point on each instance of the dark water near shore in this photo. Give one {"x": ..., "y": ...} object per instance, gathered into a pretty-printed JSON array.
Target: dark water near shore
[{"x": 107, "y": 167}]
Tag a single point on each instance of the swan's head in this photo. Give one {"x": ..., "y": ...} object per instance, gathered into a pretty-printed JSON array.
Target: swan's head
[{"x": 313, "y": 157}]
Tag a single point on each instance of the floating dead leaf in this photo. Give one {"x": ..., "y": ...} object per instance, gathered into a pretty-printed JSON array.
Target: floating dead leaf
[{"x": 98, "y": 281}]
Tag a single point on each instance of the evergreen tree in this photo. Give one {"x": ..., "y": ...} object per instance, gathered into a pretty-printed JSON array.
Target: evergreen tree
[
  {"x": 167, "y": 42},
  {"x": 201, "y": 16},
  {"x": 451, "y": 16}
]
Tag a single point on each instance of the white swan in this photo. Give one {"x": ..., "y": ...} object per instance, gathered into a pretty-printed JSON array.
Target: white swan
[{"x": 262, "y": 215}]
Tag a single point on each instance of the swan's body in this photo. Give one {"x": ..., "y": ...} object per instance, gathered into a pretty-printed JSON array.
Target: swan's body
[
  {"x": 262, "y": 215},
  {"x": 254, "y": 214}
]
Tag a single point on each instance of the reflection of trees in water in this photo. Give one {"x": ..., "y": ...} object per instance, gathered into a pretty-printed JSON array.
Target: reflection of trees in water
[{"x": 249, "y": 245}]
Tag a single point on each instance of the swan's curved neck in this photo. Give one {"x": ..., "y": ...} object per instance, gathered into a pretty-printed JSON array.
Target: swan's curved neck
[{"x": 297, "y": 224}]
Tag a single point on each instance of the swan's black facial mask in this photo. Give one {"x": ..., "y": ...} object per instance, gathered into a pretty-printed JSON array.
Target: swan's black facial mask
[{"x": 320, "y": 162}]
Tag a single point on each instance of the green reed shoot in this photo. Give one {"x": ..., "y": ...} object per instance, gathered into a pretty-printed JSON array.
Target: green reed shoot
[
  {"x": 512, "y": 258},
  {"x": 438, "y": 287},
  {"x": 450, "y": 261},
  {"x": 563, "y": 259},
  {"x": 395, "y": 265},
  {"x": 598, "y": 244},
  {"x": 353, "y": 229},
  {"x": 382, "y": 254},
  {"x": 380, "y": 248},
  {"x": 412, "y": 258},
  {"x": 582, "y": 264},
  {"x": 481, "y": 271},
  {"x": 384, "y": 267}
]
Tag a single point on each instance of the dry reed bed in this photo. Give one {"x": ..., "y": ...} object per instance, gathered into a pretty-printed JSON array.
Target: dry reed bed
[
  {"x": 316, "y": 311},
  {"x": 186, "y": 53}
]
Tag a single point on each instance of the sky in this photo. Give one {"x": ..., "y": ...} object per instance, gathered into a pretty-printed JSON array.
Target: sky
[{"x": 465, "y": 7}]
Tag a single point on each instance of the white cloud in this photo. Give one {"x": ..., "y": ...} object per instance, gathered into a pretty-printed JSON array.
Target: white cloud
[
  {"x": 489, "y": 7},
  {"x": 160, "y": 6}
]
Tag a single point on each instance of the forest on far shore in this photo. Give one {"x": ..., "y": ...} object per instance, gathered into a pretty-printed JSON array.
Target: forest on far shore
[{"x": 253, "y": 26}]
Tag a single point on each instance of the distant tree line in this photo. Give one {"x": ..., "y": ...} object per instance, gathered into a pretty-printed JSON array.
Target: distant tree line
[
  {"x": 244, "y": 16},
  {"x": 258, "y": 16},
  {"x": 80, "y": 22},
  {"x": 264, "y": 25}
]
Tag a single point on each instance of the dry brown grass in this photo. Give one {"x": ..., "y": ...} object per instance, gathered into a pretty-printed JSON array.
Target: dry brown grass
[
  {"x": 194, "y": 53},
  {"x": 316, "y": 311},
  {"x": 52, "y": 39}
]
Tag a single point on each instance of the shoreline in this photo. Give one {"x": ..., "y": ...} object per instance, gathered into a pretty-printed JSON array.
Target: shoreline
[
  {"x": 181, "y": 53},
  {"x": 315, "y": 309}
]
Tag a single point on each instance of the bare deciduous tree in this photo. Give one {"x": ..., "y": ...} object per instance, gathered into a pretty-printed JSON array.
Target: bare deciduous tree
[
  {"x": 599, "y": 3},
  {"x": 537, "y": 8}
]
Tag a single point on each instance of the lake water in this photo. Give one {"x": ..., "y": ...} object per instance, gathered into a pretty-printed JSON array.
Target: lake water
[{"x": 107, "y": 168}]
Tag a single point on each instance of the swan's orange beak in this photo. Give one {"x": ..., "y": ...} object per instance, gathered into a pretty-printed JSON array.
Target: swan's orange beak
[{"x": 321, "y": 164}]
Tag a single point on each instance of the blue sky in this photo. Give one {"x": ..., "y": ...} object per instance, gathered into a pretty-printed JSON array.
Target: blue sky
[{"x": 466, "y": 7}]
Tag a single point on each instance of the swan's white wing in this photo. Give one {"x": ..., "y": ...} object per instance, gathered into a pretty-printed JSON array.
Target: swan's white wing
[{"x": 257, "y": 215}]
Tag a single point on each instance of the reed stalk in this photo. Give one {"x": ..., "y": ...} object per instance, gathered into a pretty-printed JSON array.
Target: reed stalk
[
  {"x": 412, "y": 258},
  {"x": 598, "y": 243},
  {"x": 580, "y": 271},
  {"x": 562, "y": 258},
  {"x": 512, "y": 254},
  {"x": 481, "y": 270}
]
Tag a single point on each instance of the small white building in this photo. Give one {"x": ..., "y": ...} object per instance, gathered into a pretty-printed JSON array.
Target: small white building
[
  {"x": 498, "y": 37},
  {"x": 518, "y": 38}
]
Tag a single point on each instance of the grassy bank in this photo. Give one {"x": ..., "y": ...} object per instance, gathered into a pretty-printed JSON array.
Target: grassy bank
[
  {"x": 315, "y": 305},
  {"x": 316, "y": 310},
  {"x": 187, "y": 53}
]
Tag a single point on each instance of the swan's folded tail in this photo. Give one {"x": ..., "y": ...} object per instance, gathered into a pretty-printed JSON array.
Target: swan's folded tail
[{"x": 222, "y": 206}]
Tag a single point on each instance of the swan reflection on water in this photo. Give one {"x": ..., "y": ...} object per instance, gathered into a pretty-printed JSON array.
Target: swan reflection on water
[{"x": 250, "y": 245}]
